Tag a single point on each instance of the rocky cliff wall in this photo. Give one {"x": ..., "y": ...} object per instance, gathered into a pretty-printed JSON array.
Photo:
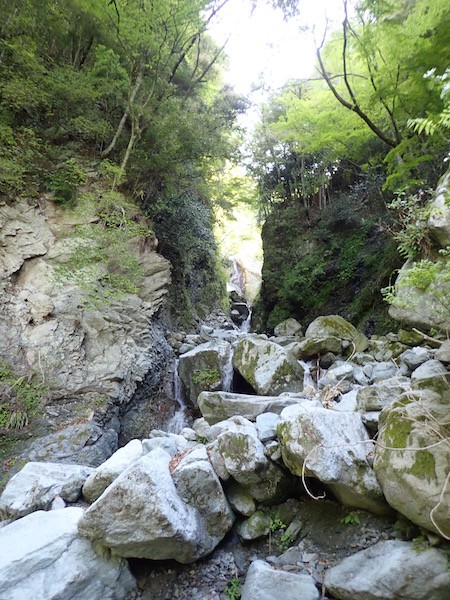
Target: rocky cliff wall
[{"x": 84, "y": 354}]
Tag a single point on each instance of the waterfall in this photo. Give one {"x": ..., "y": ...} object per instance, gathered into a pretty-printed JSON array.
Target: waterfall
[
  {"x": 179, "y": 420},
  {"x": 227, "y": 379},
  {"x": 246, "y": 325},
  {"x": 308, "y": 380},
  {"x": 237, "y": 279}
]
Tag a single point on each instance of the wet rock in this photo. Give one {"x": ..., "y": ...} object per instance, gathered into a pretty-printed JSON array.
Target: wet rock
[
  {"x": 390, "y": 570},
  {"x": 47, "y": 560}
]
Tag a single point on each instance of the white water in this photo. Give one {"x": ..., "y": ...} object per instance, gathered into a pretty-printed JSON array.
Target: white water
[
  {"x": 227, "y": 379},
  {"x": 246, "y": 325},
  {"x": 179, "y": 419},
  {"x": 308, "y": 380},
  {"x": 237, "y": 280}
]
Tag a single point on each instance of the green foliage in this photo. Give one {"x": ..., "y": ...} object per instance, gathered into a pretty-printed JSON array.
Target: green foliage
[
  {"x": 351, "y": 519},
  {"x": 101, "y": 260},
  {"x": 206, "y": 377},
  {"x": 233, "y": 589},
  {"x": 412, "y": 214},
  {"x": 440, "y": 122},
  {"x": 426, "y": 275},
  {"x": 66, "y": 180},
  {"x": 21, "y": 397}
]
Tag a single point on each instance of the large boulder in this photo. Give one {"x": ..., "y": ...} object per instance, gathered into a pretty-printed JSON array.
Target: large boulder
[
  {"x": 85, "y": 444},
  {"x": 312, "y": 346},
  {"x": 36, "y": 485},
  {"x": 439, "y": 220},
  {"x": 104, "y": 475},
  {"x": 335, "y": 448},
  {"x": 288, "y": 327},
  {"x": 336, "y": 326},
  {"x": 390, "y": 570},
  {"x": 380, "y": 394},
  {"x": 263, "y": 582},
  {"x": 217, "y": 406},
  {"x": 267, "y": 367},
  {"x": 161, "y": 508},
  {"x": 245, "y": 460},
  {"x": 425, "y": 306},
  {"x": 206, "y": 367},
  {"x": 415, "y": 481},
  {"x": 44, "y": 558}
]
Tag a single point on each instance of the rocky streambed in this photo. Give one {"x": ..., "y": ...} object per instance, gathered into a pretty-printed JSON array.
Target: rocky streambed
[{"x": 315, "y": 466}]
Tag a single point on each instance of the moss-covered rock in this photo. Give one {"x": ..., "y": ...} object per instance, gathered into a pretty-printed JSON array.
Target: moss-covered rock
[
  {"x": 413, "y": 456},
  {"x": 206, "y": 368},
  {"x": 267, "y": 367},
  {"x": 337, "y": 326}
]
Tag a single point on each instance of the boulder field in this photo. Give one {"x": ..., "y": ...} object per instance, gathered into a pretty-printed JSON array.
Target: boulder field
[{"x": 363, "y": 421}]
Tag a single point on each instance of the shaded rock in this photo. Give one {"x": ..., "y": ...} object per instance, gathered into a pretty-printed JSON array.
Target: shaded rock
[
  {"x": 240, "y": 499},
  {"x": 336, "y": 326},
  {"x": 413, "y": 481},
  {"x": 288, "y": 327},
  {"x": 145, "y": 513},
  {"x": 384, "y": 370},
  {"x": 105, "y": 474},
  {"x": 391, "y": 570},
  {"x": 267, "y": 367},
  {"x": 218, "y": 406},
  {"x": 265, "y": 583},
  {"x": 336, "y": 448},
  {"x": 36, "y": 486},
  {"x": 47, "y": 560},
  {"x": 256, "y": 526},
  {"x": 85, "y": 444},
  {"x": 443, "y": 353},
  {"x": 266, "y": 425},
  {"x": 414, "y": 357},
  {"x": 206, "y": 367}
]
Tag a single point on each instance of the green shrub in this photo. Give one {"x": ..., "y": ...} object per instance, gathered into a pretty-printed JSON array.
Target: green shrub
[
  {"x": 21, "y": 397},
  {"x": 66, "y": 180}
]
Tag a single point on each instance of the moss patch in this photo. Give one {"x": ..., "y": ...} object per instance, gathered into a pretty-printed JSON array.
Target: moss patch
[{"x": 424, "y": 465}]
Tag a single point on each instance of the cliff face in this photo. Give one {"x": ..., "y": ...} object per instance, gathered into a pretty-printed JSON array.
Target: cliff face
[
  {"x": 335, "y": 261},
  {"x": 84, "y": 354}
]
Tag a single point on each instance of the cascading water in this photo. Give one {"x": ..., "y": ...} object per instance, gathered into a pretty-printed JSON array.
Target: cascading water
[
  {"x": 227, "y": 379},
  {"x": 308, "y": 380},
  {"x": 237, "y": 279},
  {"x": 246, "y": 325},
  {"x": 179, "y": 419}
]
